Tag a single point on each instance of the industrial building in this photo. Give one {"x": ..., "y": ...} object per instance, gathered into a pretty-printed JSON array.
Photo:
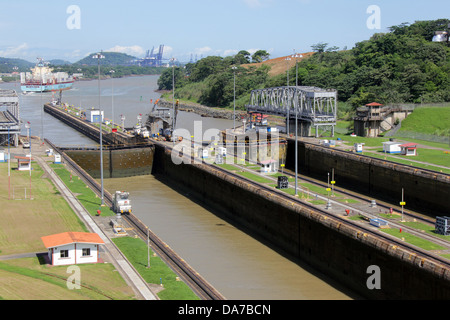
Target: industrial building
[
  {"x": 374, "y": 118},
  {"x": 9, "y": 118}
]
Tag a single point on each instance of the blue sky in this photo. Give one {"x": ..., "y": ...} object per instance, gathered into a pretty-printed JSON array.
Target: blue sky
[{"x": 31, "y": 28}]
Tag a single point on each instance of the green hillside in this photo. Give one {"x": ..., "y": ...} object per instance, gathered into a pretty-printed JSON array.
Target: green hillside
[
  {"x": 111, "y": 59},
  {"x": 429, "y": 120},
  {"x": 7, "y": 65},
  {"x": 400, "y": 66}
]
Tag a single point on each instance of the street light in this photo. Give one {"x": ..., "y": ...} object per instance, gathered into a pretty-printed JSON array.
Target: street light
[
  {"x": 287, "y": 120},
  {"x": 173, "y": 98},
  {"x": 112, "y": 95},
  {"x": 99, "y": 56},
  {"x": 296, "y": 128},
  {"x": 234, "y": 98}
]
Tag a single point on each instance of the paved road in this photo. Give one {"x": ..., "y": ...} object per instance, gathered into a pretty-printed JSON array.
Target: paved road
[{"x": 22, "y": 255}]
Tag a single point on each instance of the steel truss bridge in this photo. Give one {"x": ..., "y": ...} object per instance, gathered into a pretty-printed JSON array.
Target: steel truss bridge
[
  {"x": 313, "y": 105},
  {"x": 9, "y": 118}
]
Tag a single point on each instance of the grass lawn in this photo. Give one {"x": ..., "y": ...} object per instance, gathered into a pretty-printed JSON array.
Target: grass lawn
[
  {"x": 229, "y": 167},
  {"x": 414, "y": 240},
  {"x": 254, "y": 177},
  {"x": 432, "y": 156},
  {"x": 278, "y": 174},
  {"x": 427, "y": 120},
  {"x": 136, "y": 252},
  {"x": 438, "y": 159},
  {"x": 24, "y": 222},
  {"x": 425, "y": 228},
  {"x": 98, "y": 282},
  {"x": 86, "y": 196}
]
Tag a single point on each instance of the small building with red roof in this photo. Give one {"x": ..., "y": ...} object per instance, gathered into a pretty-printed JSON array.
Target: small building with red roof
[
  {"x": 24, "y": 163},
  {"x": 69, "y": 248},
  {"x": 269, "y": 166},
  {"x": 409, "y": 149}
]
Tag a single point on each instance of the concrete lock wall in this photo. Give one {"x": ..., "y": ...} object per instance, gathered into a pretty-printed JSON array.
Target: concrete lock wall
[
  {"x": 423, "y": 190},
  {"x": 117, "y": 163},
  {"x": 334, "y": 248}
]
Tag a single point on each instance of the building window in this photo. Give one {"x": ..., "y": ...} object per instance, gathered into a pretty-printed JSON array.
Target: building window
[
  {"x": 86, "y": 252},
  {"x": 64, "y": 253}
]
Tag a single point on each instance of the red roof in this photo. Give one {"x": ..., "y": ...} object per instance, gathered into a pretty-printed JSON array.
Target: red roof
[
  {"x": 268, "y": 161},
  {"x": 410, "y": 144},
  {"x": 374, "y": 104},
  {"x": 23, "y": 158},
  {"x": 70, "y": 237}
]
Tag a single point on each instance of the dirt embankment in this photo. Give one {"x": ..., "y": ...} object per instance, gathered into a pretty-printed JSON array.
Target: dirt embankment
[{"x": 279, "y": 65}]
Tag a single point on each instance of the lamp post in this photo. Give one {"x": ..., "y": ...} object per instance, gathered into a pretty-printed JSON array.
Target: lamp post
[
  {"x": 9, "y": 167},
  {"x": 99, "y": 56},
  {"x": 234, "y": 97},
  {"x": 287, "y": 119},
  {"x": 112, "y": 95},
  {"x": 173, "y": 98},
  {"x": 296, "y": 128}
]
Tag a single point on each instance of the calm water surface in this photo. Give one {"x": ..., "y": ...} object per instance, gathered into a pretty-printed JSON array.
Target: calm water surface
[{"x": 239, "y": 266}]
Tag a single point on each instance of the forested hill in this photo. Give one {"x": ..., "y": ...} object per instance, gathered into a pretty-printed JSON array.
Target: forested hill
[
  {"x": 110, "y": 59},
  {"x": 403, "y": 65}
]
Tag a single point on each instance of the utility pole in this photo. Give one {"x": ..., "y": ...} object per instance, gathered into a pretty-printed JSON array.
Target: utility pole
[
  {"x": 99, "y": 56},
  {"x": 288, "y": 106}
]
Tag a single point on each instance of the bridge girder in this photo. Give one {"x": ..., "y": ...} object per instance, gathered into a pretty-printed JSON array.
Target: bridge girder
[{"x": 315, "y": 105}]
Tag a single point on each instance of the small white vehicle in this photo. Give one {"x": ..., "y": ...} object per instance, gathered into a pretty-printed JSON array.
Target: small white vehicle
[
  {"x": 121, "y": 202},
  {"x": 145, "y": 133}
]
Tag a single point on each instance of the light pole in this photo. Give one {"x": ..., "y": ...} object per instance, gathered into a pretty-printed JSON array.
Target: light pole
[
  {"x": 288, "y": 106},
  {"x": 173, "y": 98},
  {"x": 99, "y": 56},
  {"x": 234, "y": 97},
  {"x": 296, "y": 125},
  {"x": 9, "y": 167},
  {"x": 112, "y": 95}
]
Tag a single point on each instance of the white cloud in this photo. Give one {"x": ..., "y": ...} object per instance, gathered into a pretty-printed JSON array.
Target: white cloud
[
  {"x": 167, "y": 51},
  {"x": 203, "y": 50},
  {"x": 230, "y": 52},
  {"x": 14, "y": 52},
  {"x": 131, "y": 50}
]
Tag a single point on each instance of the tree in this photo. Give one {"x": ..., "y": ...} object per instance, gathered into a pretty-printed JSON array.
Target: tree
[
  {"x": 242, "y": 57},
  {"x": 260, "y": 56},
  {"x": 166, "y": 78},
  {"x": 319, "y": 47},
  {"x": 205, "y": 67}
]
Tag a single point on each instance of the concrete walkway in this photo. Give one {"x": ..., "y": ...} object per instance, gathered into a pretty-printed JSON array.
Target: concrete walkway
[
  {"x": 22, "y": 255},
  {"x": 128, "y": 272}
]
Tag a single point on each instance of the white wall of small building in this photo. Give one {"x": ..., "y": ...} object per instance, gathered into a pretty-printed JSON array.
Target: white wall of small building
[
  {"x": 75, "y": 254},
  {"x": 391, "y": 148}
]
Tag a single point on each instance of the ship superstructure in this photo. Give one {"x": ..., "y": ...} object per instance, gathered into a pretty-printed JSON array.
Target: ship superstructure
[{"x": 43, "y": 79}]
